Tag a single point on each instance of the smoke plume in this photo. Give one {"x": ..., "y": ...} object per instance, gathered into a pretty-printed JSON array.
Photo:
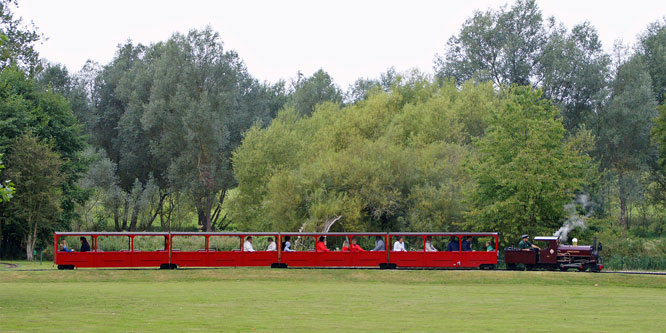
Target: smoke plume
[{"x": 574, "y": 219}]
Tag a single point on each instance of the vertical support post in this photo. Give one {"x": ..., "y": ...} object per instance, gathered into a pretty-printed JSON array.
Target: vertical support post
[
  {"x": 55, "y": 247},
  {"x": 387, "y": 246},
  {"x": 278, "y": 240}
]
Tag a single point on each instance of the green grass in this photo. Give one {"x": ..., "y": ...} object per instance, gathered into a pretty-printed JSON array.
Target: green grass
[{"x": 247, "y": 299}]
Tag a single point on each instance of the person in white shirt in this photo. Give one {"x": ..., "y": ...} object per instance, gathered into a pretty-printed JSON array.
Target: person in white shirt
[
  {"x": 286, "y": 246},
  {"x": 247, "y": 246},
  {"x": 271, "y": 245},
  {"x": 428, "y": 245},
  {"x": 399, "y": 245}
]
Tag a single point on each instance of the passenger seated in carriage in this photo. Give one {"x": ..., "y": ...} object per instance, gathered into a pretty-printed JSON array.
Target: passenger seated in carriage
[
  {"x": 321, "y": 245},
  {"x": 355, "y": 247},
  {"x": 63, "y": 246},
  {"x": 467, "y": 244},
  {"x": 271, "y": 245},
  {"x": 379, "y": 244},
  {"x": 399, "y": 245},
  {"x": 247, "y": 246},
  {"x": 286, "y": 246},
  {"x": 428, "y": 245},
  {"x": 453, "y": 244},
  {"x": 345, "y": 246},
  {"x": 85, "y": 247}
]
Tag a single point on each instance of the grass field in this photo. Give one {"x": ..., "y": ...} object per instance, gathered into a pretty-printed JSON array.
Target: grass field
[{"x": 247, "y": 299}]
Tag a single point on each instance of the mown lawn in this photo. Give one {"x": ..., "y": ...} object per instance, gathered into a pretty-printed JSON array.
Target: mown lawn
[{"x": 247, "y": 299}]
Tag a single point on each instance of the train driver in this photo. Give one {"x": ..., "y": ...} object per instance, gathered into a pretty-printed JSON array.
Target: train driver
[
  {"x": 247, "y": 246},
  {"x": 321, "y": 245},
  {"x": 526, "y": 245}
]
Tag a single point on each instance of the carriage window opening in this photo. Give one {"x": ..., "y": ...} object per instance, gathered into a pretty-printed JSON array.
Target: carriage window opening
[
  {"x": 188, "y": 243},
  {"x": 149, "y": 243},
  {"x": 436, "y": 243},
  {"x": 410, "y": 243},
  {"x": 261, "y": 243},
  {"x": 73, "y": 243},
  {"x": 544, "y": 245},
  {"x": 112, "y": 243},
  {"x": 452, "y": 243},
  {"x": 368, "y": 243},
  {"x": 484, "y": 243},
  {"x": 302, "y": 243},
  {"x": 224, "y": 243}
]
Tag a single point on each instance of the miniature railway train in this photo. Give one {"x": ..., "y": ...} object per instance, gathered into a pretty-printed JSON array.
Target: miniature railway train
[{"x": 229, "y": 249}]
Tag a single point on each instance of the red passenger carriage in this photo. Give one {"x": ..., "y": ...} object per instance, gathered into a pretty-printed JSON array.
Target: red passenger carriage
[{"x": 225, "y": 249}]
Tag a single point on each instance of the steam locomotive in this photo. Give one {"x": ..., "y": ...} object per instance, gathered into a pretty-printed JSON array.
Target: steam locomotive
[{"x": 555, "y": 256}]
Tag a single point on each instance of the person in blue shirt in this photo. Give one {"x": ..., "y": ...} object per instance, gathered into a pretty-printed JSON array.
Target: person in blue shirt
[
  {"x": 63, "y": 246},
  {"x": 453, "y": 244},
  {"x": 467, "y": 244}
]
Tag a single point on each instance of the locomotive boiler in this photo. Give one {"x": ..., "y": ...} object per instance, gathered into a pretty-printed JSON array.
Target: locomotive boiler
[{"x": 554, "y": 256}]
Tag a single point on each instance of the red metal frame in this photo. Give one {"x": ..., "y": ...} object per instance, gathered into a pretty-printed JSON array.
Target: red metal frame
[
  {"x": 441, "y": 258},
  {"x": 207, "y": 257}
]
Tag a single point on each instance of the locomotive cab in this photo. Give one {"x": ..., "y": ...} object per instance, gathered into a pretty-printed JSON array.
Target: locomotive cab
[{"x": 548, "y": 252}]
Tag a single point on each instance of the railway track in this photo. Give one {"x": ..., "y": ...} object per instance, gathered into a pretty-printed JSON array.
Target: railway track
[{"x": 18, "y": 269}]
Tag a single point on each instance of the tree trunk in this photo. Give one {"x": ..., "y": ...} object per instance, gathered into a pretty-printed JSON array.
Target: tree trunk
[
  {"x": 204, "y": 208},
  {"x": 1, "y": 236},
  {"x": 623, "y": 205},
  {"x": 134, "y": 219},
  {"x": 125, "y": 213},
  {"x": 28, "y": 248},
  {"x": 30, "y": 244},
  {"x": 116, "y": 218},
  {"x": 208, "y": 208}
]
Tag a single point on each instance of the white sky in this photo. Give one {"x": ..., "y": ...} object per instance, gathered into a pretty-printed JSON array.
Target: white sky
[{"x": 348, "y": 39}]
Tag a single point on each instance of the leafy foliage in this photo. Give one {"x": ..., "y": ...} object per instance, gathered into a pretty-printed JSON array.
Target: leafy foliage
[
  {"x": 390, "y": 162},
  {"x": 525, "y": 172},
  {"x": 17, "y": 41},
  {"x": 36, "y": 169}
]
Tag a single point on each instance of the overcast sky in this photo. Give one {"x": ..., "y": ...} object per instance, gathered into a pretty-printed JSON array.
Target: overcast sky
[{"x": 348, "y": 39}]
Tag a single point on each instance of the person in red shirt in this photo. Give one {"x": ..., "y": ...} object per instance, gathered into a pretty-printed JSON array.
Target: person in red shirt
[
  {"x": 355, "y": 247},
  {"x": 345, "y": 245},
  {"x": 321, "y": 245}
]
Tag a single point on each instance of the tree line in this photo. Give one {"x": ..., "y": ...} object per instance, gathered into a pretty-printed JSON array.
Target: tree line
[{"x": 522, "y": 115}]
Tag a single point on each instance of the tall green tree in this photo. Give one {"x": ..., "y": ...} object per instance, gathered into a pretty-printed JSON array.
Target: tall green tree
[
  {"x": 313, "y": 90},
  {"x": 572, "y": 72},
  {"x": 26, "y": 108},
  {"x": 652, "y": 46},
  {"x": 201, "y": 100},
  {"x": 525, "y": 171},
  {"x": 501, "y": 46},
  {"x": 623, "y": 127},
  {"x": 6, "y": 188},
  {"x": 35, "y": 167},
  {"x": 17, "y": 41},
  {"x": 515, "y": 45}
]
